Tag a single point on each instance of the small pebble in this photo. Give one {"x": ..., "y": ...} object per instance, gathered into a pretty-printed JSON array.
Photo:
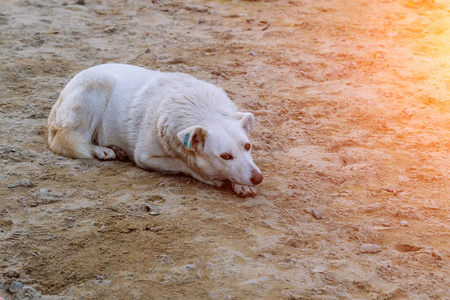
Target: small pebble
[
  {"x": 370, "y": 248},
  {"x": 408, "y": 112},
  {"x": 15, "y": 287},
  {"x": 150, "y": 208},
  {"x": 252, "y": 53},
  {"x": 189, "y": 267},
  {"x": 404, "y": 223},
  {"x": 201, "y": 21},
  {"x": 316, "y": 214}
]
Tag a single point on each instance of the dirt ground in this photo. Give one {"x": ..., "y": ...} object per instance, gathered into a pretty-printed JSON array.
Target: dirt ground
[{"x": 352, "y": 107}]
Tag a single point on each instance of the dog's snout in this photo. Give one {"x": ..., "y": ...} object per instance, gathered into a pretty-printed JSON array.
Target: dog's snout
[{"x": 257, "y": 177}]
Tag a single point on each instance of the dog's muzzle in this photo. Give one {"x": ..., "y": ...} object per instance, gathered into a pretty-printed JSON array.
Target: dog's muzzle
[{"x": 257, "y": 178}]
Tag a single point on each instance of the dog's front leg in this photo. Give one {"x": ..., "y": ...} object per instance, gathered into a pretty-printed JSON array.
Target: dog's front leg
[
  {"x": 168, "y": 164},
  {"x": 244, "y": 190}
]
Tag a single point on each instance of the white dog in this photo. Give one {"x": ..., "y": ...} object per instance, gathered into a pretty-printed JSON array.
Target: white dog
[{"x": 167, "y": 122}]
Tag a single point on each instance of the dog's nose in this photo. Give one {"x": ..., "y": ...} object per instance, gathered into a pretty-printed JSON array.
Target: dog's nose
[{"x": 257, "y": 178}]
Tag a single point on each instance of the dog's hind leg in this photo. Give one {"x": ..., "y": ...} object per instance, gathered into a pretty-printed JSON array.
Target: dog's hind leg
[
  {"x": 71, "y": 143},
  {"x": 75, "y": 123}
]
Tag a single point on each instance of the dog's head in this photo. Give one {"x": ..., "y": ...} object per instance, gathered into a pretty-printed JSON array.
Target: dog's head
[{"x": 221, "y": 149}]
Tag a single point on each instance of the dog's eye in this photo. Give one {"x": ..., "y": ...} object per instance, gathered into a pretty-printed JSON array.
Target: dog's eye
[
  {"x": 226, "y": 156},
  {"x": 247, "y": 147}
]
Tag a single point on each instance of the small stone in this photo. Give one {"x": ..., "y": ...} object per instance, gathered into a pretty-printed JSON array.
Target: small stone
[
  {"x": 80, "y": 2},
  {"x": 151, "y": 209},
  {"x": 22, "y": 182},
  {"x": 408, "y": 112},
  {"x": 252, "y": 53},
  {"x": 370, "y": 248},
  {"x": 15, "y": 287},
  {"x": 147, "y": 51},
  {"x": 189, "y": 267},
  {"x": 201, "y": 21},
  {"x": 404, "y": 223},
  {"x": 316, "y": 214}
]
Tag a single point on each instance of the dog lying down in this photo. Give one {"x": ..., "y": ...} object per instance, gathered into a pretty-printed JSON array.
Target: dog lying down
[{"x": 166, "y": 122}]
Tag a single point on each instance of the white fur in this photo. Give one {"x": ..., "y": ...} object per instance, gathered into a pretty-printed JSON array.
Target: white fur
[{"x": 147, "y": 114}]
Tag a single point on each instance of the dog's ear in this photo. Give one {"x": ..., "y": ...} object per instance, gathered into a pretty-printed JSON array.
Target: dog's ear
[
  {"x": 246, "y": 119},
  {"x": 193, "y": 138}
]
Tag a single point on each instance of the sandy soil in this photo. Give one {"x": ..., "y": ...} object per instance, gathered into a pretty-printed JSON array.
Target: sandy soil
[{"x": 352, "y": 102}]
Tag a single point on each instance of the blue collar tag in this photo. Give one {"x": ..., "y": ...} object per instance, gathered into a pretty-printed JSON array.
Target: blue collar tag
[{"x": 186, "y": 139}]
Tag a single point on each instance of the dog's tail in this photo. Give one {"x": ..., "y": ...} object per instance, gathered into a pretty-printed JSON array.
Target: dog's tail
[{"x": 69, "y": 143}]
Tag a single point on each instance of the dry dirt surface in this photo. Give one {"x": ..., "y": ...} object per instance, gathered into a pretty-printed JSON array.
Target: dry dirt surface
[{"x": 352, "y": 107}]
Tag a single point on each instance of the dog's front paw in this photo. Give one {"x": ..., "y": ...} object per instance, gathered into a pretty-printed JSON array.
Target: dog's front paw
[
  {"x": 103, "y": 153},
  {"x": 244, "y": 190}
]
